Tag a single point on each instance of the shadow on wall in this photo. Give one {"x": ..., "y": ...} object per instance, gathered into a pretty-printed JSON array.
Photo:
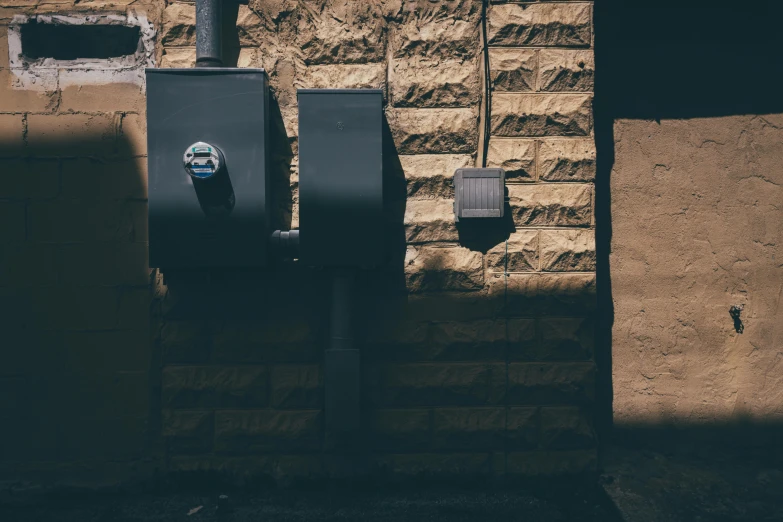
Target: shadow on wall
[
  {"x": 676, "y": 60},
  {"x": 75, "y": 379}
]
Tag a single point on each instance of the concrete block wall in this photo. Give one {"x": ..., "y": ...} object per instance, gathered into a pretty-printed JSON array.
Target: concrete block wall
[{"x": 477, "y": 346}]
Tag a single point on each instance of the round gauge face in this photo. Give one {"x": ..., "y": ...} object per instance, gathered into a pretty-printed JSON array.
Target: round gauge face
[{"x": 202, "y": 160}]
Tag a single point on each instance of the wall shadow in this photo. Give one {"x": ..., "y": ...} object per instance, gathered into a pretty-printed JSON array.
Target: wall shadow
[{"x": 674, "y": 60}]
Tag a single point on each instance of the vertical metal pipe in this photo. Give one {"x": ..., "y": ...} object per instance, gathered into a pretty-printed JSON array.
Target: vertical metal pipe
[{"x": 209, "y": 22}]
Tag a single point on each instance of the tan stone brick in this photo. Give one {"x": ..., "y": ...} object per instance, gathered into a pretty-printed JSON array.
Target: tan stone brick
[
  {"x": 517, "y": 254},
  {"x": 188, "y": 431},
  {"x": 546, "y": 294},
  {"x": 428, "y": 83},
  {"x": 438, "y": 269},
  {"x": 516, "y": 157},
  {"x": 59, "y": 221},
  {"x": 564, "y": 25},
  {"x": 551, "y": 205},
  {"x": 567, "y": 160},
  {"x": 341, "y": 32},
  {"x": 428, "y": 220},
  {"x": 512, "y": 70},
  {"x": 185, "y": 58},
  {"x": 430, "y": 175},
  {"x": 343, "y": 76},
  {"x": 443, "y": 38},
  {"x": 288, "y": 340},
  {"x": 214, "y": 386},
  {"x": 247, "y": 431},
  {"x": 184, "y": 341},
  {"x": 522, "y": 428},
  {"x": 104, "y": 263},
  {"x": 541, "y": 114},
  {"x": 523, "y": 343},
  {"x": 568, "y": 250},
  {"x": 469, "y": 428},
  {"x": 401, "y": 430},
  {"x": 480, "y": 340},
  {"x": 566, "y": 428},
  {"x": 26, "y": 264},
  {"x": 11, "y": 135},
  {"x": 73, "y": 308},
  {"x": 179, "y": 25},
  {"x": 88, "y": 178},
  {"x": 13, "y": 228},
  {"x": 566, "y": 70},
  {"x": 428, "y": 131},
  {"x": 250, "y": 28},
  {"x": 23, "y": 100},
  {"x": 113, "y": 97},
  {"x": 555, "y": 383},
  {"x": 133, "y": 137},
  {"x": 456, "y": 384},
  {"x": 71, "y": 135},
  {"x": 551, "y": 463},
  {"x": 564, "y": 338},
  {"x": 31, "y": 178},
  {"x": 296, "y": 386}
]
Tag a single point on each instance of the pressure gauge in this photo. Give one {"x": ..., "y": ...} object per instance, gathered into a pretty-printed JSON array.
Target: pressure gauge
[{"x": 202, "y": 161}]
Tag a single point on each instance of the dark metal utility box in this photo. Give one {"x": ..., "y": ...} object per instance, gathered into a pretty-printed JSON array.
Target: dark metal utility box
[
  {"x": 226, "y": 108},
  {"x": 479, "y": 193},
  {"x": 341, "y": 214}
]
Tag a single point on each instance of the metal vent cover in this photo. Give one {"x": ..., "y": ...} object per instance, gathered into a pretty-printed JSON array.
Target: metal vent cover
[{"x": 479, "y": 193}]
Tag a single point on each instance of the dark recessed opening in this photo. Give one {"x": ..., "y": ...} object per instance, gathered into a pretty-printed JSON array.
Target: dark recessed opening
[{"x": 70, "y": 42}]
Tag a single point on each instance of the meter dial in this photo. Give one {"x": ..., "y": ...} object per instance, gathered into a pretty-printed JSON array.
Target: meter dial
[{"x": 202, "y": 161}]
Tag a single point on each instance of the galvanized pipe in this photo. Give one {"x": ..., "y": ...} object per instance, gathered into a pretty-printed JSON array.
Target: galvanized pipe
[{"x": 209, "y": 22}]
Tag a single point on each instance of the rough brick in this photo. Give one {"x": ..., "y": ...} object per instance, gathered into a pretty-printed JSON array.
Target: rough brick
[
  {"x": 71, "y": 308},
  {"x": 566, "y": 428},
  {"x": 518, "y": 254},
  {"x": 568, "y": 250},
  {"x": 103, "y": 351},
  {"x": 343, "y": 76},
  {"x": 533, "y": 383},
  {"x": 516, "y": 157},
  {"x": 87, "y": 178},
  {"x": 296, "y": 386},
  {"x": 13, "y": 228},
  {"x": 566, "y": 160},
  {"x": 522, "y": 341},
  {"x": 214, "y": 386},
  {"x": 30, "y": 178},
  {"x": 188, "y": 431},
  {"x": 438, "y": 269},
  {"x": 566, "y": 70},
  {"x": 469, "y": 428},
  {"x": 71, "y": 135},
  {"x": 436, "y": 464},
  {"x": 430, "y": 175},
  {"x": 133, "y": 136},
  {"x": 174, "y": 57},
  {"x": 27, "y": 264},
  {"x": 541, "y": 114},
  {"x": 401, "y": 430},
  {"x": 428, "y": 220},
  {"x": 250, "y": 28},
  {"x": 179, "y": 25},
  {"x": 439, "y": 39},
  {"x": 551, "y": 205},
  {"x": 289, "y": 340},
  {"x": 67, "y": 221},
  {"x": 563, "y": 25},
  {"x": 23, "y": 100},
  {"x": 246, "y": 431},
  {"x": 479, "y": 340},
  {"x": 112, "y": 97},
  {"x": 104, "y": 264},
  {"x": 440, "y": 384},
  {"x": 512, "y": 70},
  {"x": 551, "y": 463},
  {"x": 184, "y": 341},
  {"x": 428, "y": 83},
  {"x": 11, "y": 135},
  {"x": 522, "y": 427},
  {"x": 546, "y": 294},
  {"x": 566, "y": 338},
  {"x": 341, "y": 32},
  {"x": 432, "y": 131}
]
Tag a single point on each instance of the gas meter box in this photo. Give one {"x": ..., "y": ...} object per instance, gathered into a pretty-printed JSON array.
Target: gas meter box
[
  {"x": 207, "y": 135},
  {"x": 341, "y": 214}
]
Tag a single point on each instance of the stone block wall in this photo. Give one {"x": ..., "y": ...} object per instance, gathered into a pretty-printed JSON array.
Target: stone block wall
[{"x": 477, "y": 345}]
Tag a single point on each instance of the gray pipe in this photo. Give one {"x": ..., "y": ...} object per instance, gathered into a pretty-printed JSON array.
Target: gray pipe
[{"x": 209, "y": 22}]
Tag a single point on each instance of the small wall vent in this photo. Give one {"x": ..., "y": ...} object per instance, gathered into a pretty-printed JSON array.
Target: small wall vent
[{"x": 72, "y": 42}]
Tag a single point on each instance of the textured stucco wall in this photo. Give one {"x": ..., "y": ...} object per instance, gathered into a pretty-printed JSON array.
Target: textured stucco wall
[{"x": 477, "y": 346}]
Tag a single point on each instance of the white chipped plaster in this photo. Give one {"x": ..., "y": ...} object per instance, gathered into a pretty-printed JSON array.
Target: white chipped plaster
[{"x": 48, "y": 74}]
